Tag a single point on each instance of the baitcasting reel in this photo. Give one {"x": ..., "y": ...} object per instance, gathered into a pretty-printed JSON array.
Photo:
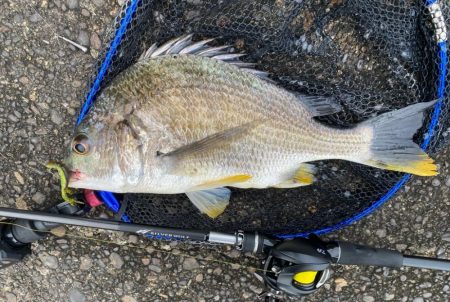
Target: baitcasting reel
[
  {"x": 296, "y": 267},
  {"x": 301, "y": 266}
]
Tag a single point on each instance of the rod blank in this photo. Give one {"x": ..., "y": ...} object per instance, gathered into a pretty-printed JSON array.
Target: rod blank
[{"x": 428, "y": 263}]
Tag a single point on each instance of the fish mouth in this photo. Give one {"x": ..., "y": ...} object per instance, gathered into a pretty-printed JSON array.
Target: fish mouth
[{"x": 75, "y": 176}]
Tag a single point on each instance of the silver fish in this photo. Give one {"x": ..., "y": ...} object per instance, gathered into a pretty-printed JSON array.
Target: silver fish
[{"x": 189, "y": 118}]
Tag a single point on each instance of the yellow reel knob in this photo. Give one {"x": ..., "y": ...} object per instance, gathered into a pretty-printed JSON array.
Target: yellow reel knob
[{"x": 305, "y": 278}]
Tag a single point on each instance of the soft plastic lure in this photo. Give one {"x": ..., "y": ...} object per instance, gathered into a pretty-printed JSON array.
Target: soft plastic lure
[{"x": 65, "y": 191}]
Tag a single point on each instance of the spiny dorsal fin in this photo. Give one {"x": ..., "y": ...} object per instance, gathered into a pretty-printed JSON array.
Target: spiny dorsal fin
[{"x": 185, "y": 45}]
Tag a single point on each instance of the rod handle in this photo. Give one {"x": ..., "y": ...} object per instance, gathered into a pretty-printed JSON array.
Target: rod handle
[{"x": 354, "y": 254}]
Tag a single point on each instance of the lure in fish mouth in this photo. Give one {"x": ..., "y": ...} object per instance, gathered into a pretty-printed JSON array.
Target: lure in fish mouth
[{"x": 191, "y": 118}]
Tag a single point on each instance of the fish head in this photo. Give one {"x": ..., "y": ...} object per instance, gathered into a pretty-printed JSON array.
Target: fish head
[{"x": 93, "y": 159}]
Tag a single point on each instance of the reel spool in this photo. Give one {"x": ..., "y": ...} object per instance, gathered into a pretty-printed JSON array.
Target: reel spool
[{"x": 297, "y": 267}]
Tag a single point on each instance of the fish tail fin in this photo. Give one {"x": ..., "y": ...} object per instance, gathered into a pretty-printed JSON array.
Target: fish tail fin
[{"x": 392, "y": 147}]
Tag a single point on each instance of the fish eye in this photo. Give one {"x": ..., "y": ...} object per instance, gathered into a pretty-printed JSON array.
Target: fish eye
[{"x": 80, "y": 144}]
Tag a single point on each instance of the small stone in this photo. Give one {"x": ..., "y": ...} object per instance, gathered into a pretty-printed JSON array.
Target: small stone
[
  {"x": 76, "y": 83},
  {"x": 340, "y": 283},
  {"x": 154, "y": 268},
  {"x": 13, "y": 118},
  {"x": 18, "y": 18},
  {"x": 99, "y": 3},
  {"x": 145, "y": 261},
  {"x": 35, "y": 17},
  {"x": 418, "y": 299},
  {"x": 166, "y": 247},
  {"x": 255, "y": 289},
  {"x": 83, "y": 38},
  {"x": 446, "y": 237},
  {"x": 388, "y": 297},
  {"x": 436, "y": 182},
  {"x": 368, "y": 299},
  {"x": 235, "y": 254},
  {"x": 38, "y": 198},
  {"x": 55, "y": 117},
  {"x": 116, "y": 260},
  {"x": 401, "y": 247},
  {"x": 85, "y": 263},
  {"x": 33, "y": 96},
  {"x": 127, "y": 298},
  {"x": 10, "y": 297},
  {"x": 95, "y": 41},
  {"x": 447, "y": 182},
  {"x": 50, "y": 261},
  {"x": 21, "y": 203},
  {"x": 132, "y": 239},
  {"x": 75, "y": 295},
  {"x": 24, "y": 80},
  {"x": 427, "y": 295},
  {"x": 217, "y": 271},
  {"x": 190, "y": 264},
  {"x": 19, "y": 178},
  {"x": 59, "y": 231},
  {"x": 199, "y": 278},
  {"x": 403, "y": 278},
  {"x": 73, "y": 4},
  {"x": 381, "y": 233}
]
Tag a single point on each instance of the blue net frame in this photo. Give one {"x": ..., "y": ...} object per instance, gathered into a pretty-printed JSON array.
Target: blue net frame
[{"x": 112, "y": 202}]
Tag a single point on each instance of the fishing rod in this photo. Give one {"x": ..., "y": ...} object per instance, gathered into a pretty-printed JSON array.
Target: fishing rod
[{"x": 296, "y": 267}]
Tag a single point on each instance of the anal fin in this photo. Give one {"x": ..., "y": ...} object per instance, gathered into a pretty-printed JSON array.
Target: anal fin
[
  {"x": 212, "y": 202},
  {"x": 305, "y": 174}
]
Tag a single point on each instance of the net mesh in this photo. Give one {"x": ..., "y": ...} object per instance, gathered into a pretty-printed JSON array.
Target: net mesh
[{"x": 372, "y": 56}]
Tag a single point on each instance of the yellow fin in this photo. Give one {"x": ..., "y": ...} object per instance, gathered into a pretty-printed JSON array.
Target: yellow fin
[
  {"x": 423, "y": 167},
  {"x": 226, "y": 181},
  {"x": 305, "y": 174}
]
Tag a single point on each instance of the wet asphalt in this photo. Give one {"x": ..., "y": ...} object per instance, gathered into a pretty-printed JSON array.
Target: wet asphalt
[{"x": 42, "y": 82}]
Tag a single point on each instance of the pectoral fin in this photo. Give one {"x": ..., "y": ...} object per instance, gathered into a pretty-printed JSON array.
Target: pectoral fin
[
  {"x": 188, "y": 159},
  {"x": 219, "y": 139},
  {"x": 211, "y": 202}
]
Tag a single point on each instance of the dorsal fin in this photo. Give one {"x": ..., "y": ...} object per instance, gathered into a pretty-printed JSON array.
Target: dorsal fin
[{"x": 185, "y": 45}]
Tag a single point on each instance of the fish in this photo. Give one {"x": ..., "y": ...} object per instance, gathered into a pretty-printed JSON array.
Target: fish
[{"x": 192, "y": 118}]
